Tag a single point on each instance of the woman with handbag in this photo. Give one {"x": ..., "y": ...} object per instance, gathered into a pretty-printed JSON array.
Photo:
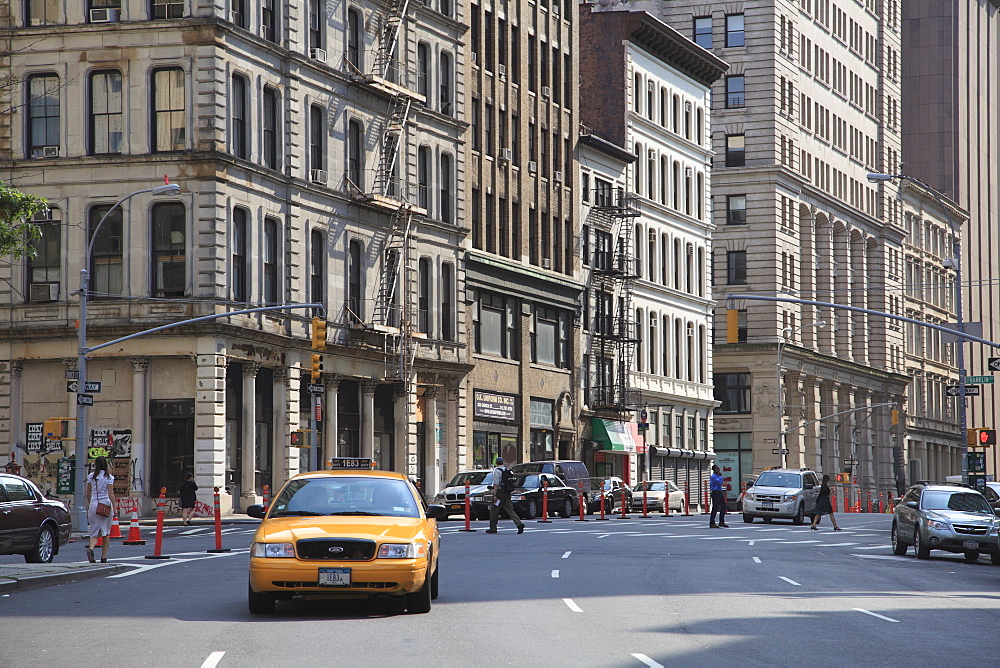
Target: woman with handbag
[{"x": 100, "y": 502}]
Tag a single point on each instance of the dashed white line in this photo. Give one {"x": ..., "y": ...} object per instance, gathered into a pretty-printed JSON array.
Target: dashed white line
[
  {"x": 572, "y": 606},
  {"x": 875, "y": 614},
  {"x": 566, "y": 555},
  {"x": 555, "y": 574},
  {"x": 797, "y": 542},
  {"x": 646, "y": 660},
  {"x": 789, "y": 581},
  {"x": 872, "y": 547},
  {"x": 213, "y": 660},
  {"x": 756, "y": 560}
]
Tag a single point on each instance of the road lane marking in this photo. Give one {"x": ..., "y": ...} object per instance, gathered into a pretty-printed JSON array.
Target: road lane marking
[
  {"x": 797, "y": 542},
  {"x": 875, "y": 614},
  {"x": 566, "y": 555},
  {"x": 756, "y": 560},
  {"x": 873, "y": 547},
  {"x": 173, "y": 562},
  {"x": 555, "y": 574},
  {"x": 836, "y": 544},
  {"x": 213, "y": 660},
  {"x": 646, "y": 660},
  {"x": 880, "y": 556},
  {"x": 604, "y": 535},
  {"x": 751, "y": 542},
  {"x": 190, "y": 531},
  {"x": 791, "y": 582},
  {"x": 572, "y": 606}
]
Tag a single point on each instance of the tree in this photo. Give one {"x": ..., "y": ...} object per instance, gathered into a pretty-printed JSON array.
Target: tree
[{"x": 17, "y": 232}]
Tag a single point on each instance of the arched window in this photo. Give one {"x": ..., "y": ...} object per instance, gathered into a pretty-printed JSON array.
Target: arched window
[
  {"x": 651, "y": 174},
  {"x": 665, "y": 348},
  {"x": 653, "y": 337},
  {"x": 424, "y": 292},
  {"x": 355, "y": 153},
  {"x": 639, "y": 343},
  {"x": 650, "y": 104},
  {"x": 354, "y": 269},
  {"x": 355, "y": 39},
  {"x": 106, "y": 120},
  {"x": 690, "y": 351},
  {"x": 664, "y": 176},
  {"x": 636, "y": 92},
  {"x": 637, "y": 248},
  {"x": 447, "y": 196},
  {"x": 169, "y": 120},
  {"x": 444, "y": 84},
  {"x": 689, "y": 269},
  {"x": 317, "y": 261},
  {"x": 43, "y": 115},
  {"x": 664, "y": 258},
  {"x": 423, "y": 68},
  {"x": 239, "y": 103},
  {"x": 240, "y": 275},
  {"x": 702, "y": 269}
]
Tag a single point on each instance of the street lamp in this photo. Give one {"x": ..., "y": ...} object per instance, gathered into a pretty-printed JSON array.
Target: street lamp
[
  {"x": 956, "y": 264},
  {"x": 785, "y": 333},
  {"x": 81, "y": 360}
]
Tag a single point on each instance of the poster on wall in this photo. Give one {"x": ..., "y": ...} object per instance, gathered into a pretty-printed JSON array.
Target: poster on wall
[
  {"x": 100, "y": 442},
  {"x": 121, "y": 443},
  {"x": 121, "y": 469},
  {"x": 729, "y": 464},
  {"x": 35, "y": 437}
]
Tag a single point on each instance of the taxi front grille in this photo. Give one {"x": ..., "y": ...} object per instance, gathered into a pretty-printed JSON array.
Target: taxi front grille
[
  {"x": 340, "y": 549},
  {"x": 289, "y": 584}
]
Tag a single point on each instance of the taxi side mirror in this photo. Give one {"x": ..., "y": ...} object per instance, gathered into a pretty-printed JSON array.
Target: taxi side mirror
[
  {"x": 436, "y": 512},
  {"x": 256, "y": 511}
]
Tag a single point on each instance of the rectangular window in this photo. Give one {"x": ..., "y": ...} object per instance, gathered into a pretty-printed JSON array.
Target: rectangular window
[
  {"x": 733, "y": 391},
  {"x": 735, "y": 92},
  {"x": 735, "y": 151},
  {"x": 270, "y": 261},
  {"x": 315, "y": 24},
  {"x": 169, "y": 115},
  {"x": 169, "y": 250},
  {"x": 106, "y": 120},
  {"x": 423, "y": 175},
  {"x": 474, "y": 123},
  {"x": 240, "y": 15},
  {"x": 444, "y": 84},
  {"x": 241, "y": 292},
  {"x": 734, "y": 30},
  {"x": 736, "y": 267},
  {"x": 514, "y": 68},
  {"x": 447, "y": 299},
  {"x": 106, "y": 259},
  {"x": 269, "y": 20},
  {"x": 168, "y": 9},
  {"x": 317, "y": 128},
  {"x": 270, "y": 128},
  {"x": 736, "y": 209},
  {"x": 43, "y": 116},
  {"x": 488, "y": 129},
  {"x": 317, "y": 253},
  {"x": 703, "y": 31},
  {"x": 532, "y": 67},
  {"x": 240, "y": 118},
  {"x": 44, "y": 266},
  {"x": 423, "y": 295},
  {"x": 43, "y": 12},
  {"x": 495, "y": 328}
]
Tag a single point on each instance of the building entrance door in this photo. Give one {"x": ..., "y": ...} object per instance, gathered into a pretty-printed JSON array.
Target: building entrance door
[{"x": 171, "y": 445}]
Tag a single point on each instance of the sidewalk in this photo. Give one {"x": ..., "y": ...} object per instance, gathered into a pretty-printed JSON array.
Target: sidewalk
[{"x": 21, "y": 577}]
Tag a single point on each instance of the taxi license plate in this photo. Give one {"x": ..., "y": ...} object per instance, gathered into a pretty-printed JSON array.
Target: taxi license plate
[
  {"x": 335, "y": 577},
  {"x": 971, "y": 544}
]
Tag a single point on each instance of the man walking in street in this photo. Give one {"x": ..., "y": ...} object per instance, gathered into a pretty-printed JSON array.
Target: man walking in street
[
  {"x": 717, "y": 487},
  {"x": 503, "y": 485}
]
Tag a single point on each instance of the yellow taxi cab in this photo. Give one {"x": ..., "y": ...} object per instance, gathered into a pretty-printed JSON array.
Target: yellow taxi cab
[{"x": 348, "y": 532}]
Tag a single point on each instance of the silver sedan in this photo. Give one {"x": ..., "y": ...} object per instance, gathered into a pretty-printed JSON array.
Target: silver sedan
[{"x": 656, "y": 491}]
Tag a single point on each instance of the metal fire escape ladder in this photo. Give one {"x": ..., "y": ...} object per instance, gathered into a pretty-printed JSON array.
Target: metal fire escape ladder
[
  {"x": 392, "y": 134},
  {"x": 624, "y": 324},
  {"x": 395, "y": 12}
]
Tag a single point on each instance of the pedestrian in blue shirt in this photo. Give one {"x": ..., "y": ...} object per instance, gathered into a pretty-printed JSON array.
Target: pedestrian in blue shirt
[{"x": 717, "y": 486}]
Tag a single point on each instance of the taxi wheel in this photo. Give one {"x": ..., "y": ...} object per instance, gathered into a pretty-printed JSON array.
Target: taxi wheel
[
  {"x": 434, "y": 583},
  {"x": 260, "y": 604},
  {"x": 419, "y": 602}
]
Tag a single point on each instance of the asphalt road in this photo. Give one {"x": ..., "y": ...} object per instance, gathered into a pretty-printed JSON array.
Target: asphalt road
[{"x": 615, "y": 593}]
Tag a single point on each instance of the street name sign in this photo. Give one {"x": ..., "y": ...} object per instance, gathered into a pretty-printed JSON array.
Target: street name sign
[
  {"x": 851, "y": 462},
  {"x": 92, "y": 386},
  {"x": 84, "y": 400},
  {"x": 779, "y": 451},
  {"x": 979, "y": 380},
  {"x": 955, "y": 390},
  {"x": 770, "y": 441}
]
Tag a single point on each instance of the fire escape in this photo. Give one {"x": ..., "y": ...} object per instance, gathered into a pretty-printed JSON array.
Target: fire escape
[
  {"x": 392, "y": 315},
  {"x": 613, "y": 276}
]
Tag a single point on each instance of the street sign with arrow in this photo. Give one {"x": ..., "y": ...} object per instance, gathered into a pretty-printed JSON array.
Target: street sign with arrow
[{"x": 955, "y": 390}]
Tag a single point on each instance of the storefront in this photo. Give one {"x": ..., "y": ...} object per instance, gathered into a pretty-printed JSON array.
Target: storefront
[
  {"x": 615, "y": 449},
  {"x": 734, "y": 455},
  {"x": 494, "y": 428}
]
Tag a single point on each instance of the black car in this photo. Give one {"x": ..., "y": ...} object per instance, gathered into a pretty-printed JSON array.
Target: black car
[
  {"x": 30, "y": 524},
  {"x": 527, "y": 497},
  {"x": 611, "y": 490}
]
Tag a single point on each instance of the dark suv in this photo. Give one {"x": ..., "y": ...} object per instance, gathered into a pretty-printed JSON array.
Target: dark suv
[
  {"x": 571, "y": 472},
  {"x": 945, "y": 516}
]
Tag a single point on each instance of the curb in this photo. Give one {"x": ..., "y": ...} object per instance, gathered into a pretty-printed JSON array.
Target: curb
[{"x": 9, "y": 585}]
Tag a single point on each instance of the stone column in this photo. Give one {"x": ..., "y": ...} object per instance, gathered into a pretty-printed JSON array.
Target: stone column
[
  {"x": 860, "y": 296},
  {"x": 368, "y": 418},
  {"x": 140, "y": 422},
  {"x": 282, "y": 453},
  {"x": 432, "y": 472},
  {"x": 209, "y": 422},
  {"x": 842, "y": 283},
  {"x": 331, "y": 429},
  {"x": 248, "y": 476}
]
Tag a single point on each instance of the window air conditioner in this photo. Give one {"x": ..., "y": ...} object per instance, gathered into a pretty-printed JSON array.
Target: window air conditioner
[
  {"x": 557, "y": 176},
  {"x": 45, "y": 152},
  {"x": 546, "y": 91},
  {"x": 502, "y": 71},
  {"x": 505, "y": 154},
  {"x": 43, "y": 292},
  {"x": 532, "y": 166},
  {"x": 318, "y": 54},
  {"x": 546, "y": 263},
  {"x": 318, "y": 175},
  {"x": 104, "y": 15}
]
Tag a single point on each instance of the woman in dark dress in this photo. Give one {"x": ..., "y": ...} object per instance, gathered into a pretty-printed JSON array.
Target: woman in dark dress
[
  {"x": 188, "y": 498},
  {"x": 823, "y": 505}
]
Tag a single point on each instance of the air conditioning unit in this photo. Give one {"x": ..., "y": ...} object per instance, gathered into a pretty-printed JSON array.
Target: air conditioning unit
[
  {"x": 104, "y": 15},
  {"x": 502, "y": 71},
  {"x": 318, "y": 54},
  {"x": 546, "y": 91},
  {"x": 318, "y": 175},
  {"x": 532, "y": 166},
  {"x": 43, "y": 292},
  {"x": 557, "y": 176},
  {"x": 505, "y": 154},
  {"x": 45, "y": 152},
  {"x": 546, "y": 263}
]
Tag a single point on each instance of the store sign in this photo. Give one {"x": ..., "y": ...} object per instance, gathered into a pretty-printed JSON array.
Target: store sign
[{"x": 494, "y": 406}]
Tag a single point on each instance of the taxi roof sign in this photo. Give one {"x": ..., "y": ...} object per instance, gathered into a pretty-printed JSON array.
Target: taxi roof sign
[{"x": 351, "y": 463}]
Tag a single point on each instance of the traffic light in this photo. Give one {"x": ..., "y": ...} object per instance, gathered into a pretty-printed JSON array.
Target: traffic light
[
  {"x": 316, "y": 369},
  {"x": 732, "y": 326},
  {"x": 318, "y": 333},
  {"x": 895, "y": 416}
]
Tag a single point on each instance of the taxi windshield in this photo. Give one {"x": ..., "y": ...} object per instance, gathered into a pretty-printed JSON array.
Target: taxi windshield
[
  {"x": 776, "y": 479},
  {"x": 651, "y": 487},
  {"x": 343, "y": 495},
  {"x": 473, "y": 478}
]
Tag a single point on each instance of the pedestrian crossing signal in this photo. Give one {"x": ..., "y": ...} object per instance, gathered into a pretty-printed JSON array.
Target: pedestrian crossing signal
[{"x": 987, "y": 437}]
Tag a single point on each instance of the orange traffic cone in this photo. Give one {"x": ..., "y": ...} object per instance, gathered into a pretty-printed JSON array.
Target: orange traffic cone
[
  {"x": 116, "y": 531},
  {"x": 134, "y": 538}
]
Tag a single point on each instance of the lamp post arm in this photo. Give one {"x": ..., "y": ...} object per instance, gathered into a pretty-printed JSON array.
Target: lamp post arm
[{"x": 832, "y": 415}]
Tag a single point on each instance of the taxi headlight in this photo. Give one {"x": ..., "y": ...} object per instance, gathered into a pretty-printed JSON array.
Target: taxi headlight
[
  {"x": 273, "y": 550},
  {"x": 401, "y": 550}
]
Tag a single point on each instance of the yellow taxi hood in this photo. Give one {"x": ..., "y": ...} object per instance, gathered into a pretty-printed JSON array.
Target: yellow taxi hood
[{"x": 289, "y": 529}]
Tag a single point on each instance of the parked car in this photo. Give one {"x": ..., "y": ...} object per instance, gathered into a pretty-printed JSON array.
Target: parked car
[
  {"x": 778, "y": 492},
  {"x": 527, "y": 497},
  {"x": 945, "y": 516},
  {"x": 610, "y": 489},
  {"x": 656, "y": 491},
  {"x": 30, "y": 524},
  {"x": 992, "y": 493},
  {"x": 452, "y": 497},
  {"x": 573, "y": 473}
]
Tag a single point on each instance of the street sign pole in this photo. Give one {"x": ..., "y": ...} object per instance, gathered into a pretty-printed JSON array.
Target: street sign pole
[{"x": 313, "y": 450}]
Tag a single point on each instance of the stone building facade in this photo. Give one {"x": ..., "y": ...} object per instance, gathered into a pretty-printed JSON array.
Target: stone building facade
[{"x": 300, "y": 181}]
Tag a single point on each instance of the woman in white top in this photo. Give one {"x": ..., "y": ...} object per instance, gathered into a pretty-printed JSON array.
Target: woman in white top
[{"x": 99, "y": 490}]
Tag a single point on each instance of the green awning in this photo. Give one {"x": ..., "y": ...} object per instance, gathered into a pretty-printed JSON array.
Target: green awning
[{"x": 612, "y": 435}]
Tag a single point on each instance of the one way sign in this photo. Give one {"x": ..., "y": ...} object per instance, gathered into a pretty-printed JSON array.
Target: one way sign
[
  {"x": 970, "y": 390},
  {"x": 994, "y": 363}
]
